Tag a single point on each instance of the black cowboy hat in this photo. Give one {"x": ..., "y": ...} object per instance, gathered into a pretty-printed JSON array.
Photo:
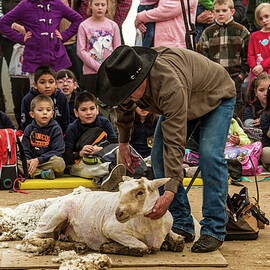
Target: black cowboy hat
[{"x": 123, "y": 72}]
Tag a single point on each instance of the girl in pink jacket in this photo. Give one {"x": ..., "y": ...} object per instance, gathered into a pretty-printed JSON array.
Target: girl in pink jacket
[
  {"x": 170, "y": 27},
  {"x": 97, "y": 37}
]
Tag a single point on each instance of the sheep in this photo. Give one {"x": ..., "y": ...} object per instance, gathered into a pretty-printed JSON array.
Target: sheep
[{"x": 110, "y": 222}]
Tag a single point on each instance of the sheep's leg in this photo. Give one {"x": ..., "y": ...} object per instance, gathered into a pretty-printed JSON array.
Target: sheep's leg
[
  {"x": 37, "y": 245},
  {"x": 51, "y": 222},
  {"x": 42, "y": 240},
  {"x": 173, "y": 242},
  {"x": 128, "y": 241},
  {"x": 116, "y": 248}
]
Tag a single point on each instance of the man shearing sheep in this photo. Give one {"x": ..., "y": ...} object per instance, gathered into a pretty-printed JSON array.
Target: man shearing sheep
[{"x": 180, "y": 85}]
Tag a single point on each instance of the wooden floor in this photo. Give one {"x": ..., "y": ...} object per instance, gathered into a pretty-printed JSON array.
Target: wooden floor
[{"x": 11, "y": 258}]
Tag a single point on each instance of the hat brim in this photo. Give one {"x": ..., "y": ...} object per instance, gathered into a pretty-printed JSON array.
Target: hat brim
[{"x": 113, "y": 96}]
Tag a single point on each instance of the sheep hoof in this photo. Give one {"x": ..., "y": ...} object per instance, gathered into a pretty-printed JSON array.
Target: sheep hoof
[
  {"x": 39, "y": 245},
  {"x": 173, "y": 242},
  {"x": 79, "y": 247}
]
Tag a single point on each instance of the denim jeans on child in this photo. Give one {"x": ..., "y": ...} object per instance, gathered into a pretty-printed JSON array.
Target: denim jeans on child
[
  {"x": 148, "y": 40},
  {"x": 214, "y": 128}
]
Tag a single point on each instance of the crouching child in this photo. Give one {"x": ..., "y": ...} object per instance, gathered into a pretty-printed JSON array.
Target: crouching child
[
  {"x": 43, "y": 141},
  {"x": 87, "y": 136}
]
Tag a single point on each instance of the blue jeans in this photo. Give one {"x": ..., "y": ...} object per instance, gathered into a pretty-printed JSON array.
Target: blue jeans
[
  {"x": 148, "y": 39},
  {"x": 214, "y": 128}
]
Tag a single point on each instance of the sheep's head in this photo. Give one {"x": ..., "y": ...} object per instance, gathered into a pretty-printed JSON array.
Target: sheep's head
[{"x": 137, "y": 197}]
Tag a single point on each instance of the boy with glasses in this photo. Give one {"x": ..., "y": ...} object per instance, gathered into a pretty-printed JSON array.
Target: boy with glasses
[{"x": 67, "y": 83}]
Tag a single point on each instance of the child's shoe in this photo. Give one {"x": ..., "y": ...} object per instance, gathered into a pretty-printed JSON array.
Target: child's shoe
[
  {"x": 111, "y": 182},
  {"x": 47, "y": 174}
]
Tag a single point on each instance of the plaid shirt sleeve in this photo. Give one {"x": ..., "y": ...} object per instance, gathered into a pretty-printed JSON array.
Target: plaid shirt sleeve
[{"x": 123, "y": 7}]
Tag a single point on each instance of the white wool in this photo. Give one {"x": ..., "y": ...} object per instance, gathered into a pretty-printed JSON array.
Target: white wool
[
  {"x": 71, "y": 261},
  {"x": 27, "y": 247},
  {"x": 16, "y": 223},
  {"x": 3, "y": 245}
]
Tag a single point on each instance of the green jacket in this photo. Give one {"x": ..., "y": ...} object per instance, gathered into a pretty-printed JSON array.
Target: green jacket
[
  {"x": 207, "y": 4},
  {"x": 235, "y": 128}
]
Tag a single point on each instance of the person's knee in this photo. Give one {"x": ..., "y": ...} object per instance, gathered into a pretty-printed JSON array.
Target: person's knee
[
  {"x": 58, "y": 164},
  {"x": 265, "y": 157}
]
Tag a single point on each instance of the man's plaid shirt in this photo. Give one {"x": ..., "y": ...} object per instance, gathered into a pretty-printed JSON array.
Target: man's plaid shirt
[
  {"x": 123, "y": 7},
  {"x": 226, "y": 44}
]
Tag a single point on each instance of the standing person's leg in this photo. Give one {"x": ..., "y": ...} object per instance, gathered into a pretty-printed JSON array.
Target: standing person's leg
[
  {"x": 2, "y": 97},
  {"x": 77, "y": 64},
  {"x": 239, "y": 104},
  {"x": 7, "y": 48},
  {"x": 265, "y": 157},
  {"x": 19, "y": 88},
  {"x": 90, "y": 83},
  {"x": 179, "y": 208},
  {"x": 214, "y": 130}
]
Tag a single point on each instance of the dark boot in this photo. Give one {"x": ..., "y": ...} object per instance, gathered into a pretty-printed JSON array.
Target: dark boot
[{"x": 206, "y": 243}]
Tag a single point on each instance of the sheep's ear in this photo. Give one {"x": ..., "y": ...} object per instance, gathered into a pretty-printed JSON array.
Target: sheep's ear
[
  {"x": 156, "y": 183},
  {"x": 126, "y": 178}
]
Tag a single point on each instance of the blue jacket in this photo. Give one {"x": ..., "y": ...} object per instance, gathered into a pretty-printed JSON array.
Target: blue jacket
[
  {"x": 43, "y": 142},
  {"x": 76, "y": 129},
  {"x": 71, "y": 104},
  {"x": 141, "y": 132},
  {"x": 41, "y": 18},
  {"x": 265, "y": 125},
  {"x": 249, "y": 114},
  {"x": 61, "y": 108},
  {"x": 5, "y": 121}
]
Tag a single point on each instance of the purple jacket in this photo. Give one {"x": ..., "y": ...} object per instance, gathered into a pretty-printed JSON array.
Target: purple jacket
[{"x": 42, "y": 18}]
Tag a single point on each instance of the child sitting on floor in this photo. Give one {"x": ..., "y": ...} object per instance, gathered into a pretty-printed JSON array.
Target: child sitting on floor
[
  {"x": 43, "y": 141},
  {"x": 67, "y": 83},
  {"x": 237, "y": 136},
  {"x": 45, "y": 83},
  {"x": 86, "y": 110}
]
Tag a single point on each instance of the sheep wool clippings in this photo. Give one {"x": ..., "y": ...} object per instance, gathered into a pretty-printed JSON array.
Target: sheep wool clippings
[
  {"x": 70, "y": 260},
  {"x": 16, "y": 223}
]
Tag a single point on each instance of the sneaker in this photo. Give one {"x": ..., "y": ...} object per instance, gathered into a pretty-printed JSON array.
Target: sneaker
[
  {"x": 206, "y": 243},
  {"x": 47, "y": 174},
  {"x": 111, "y": 182}
]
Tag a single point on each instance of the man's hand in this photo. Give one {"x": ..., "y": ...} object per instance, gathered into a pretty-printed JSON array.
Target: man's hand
[
  {"x": 32, "y": 165},
  {"x": 162, "y": 205},
  {"x": 130, "y": 160}
]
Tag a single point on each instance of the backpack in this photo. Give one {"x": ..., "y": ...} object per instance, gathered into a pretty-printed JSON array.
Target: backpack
[
  {"x": 8, "y": 159},
  {"x": 246, "y": 154}
]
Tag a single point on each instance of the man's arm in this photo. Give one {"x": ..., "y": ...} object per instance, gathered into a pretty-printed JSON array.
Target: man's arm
[{"x": 123, "y": 7}]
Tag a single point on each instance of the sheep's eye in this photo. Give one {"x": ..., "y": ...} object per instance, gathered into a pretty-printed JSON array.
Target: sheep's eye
[{"x": 139, "y": 193}]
